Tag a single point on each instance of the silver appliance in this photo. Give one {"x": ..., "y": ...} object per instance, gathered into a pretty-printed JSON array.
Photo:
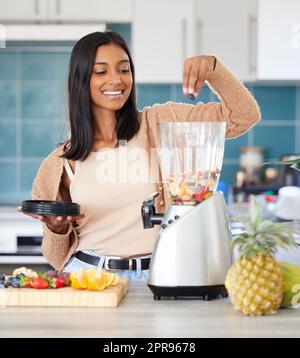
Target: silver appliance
[{"x": 192, "y": 254}]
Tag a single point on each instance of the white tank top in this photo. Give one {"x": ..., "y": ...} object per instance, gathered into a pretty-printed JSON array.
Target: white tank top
[{"x": 110, "y": 186}]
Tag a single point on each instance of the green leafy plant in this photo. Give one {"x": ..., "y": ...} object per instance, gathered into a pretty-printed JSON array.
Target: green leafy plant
[{"x": 293, "y": 163}]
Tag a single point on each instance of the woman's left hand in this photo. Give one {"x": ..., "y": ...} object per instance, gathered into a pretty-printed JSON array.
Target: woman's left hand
[{"x": 196, "y": 71}]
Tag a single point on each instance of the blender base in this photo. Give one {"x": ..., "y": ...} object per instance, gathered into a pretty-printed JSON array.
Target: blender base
[{"x": 202, "y": 292}]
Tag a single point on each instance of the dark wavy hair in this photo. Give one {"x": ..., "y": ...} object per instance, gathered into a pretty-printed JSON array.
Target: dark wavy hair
[{"x": 81, "y": 122}]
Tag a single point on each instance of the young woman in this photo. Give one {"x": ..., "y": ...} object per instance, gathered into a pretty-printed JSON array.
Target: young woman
[{"x": 103, "y": 111}]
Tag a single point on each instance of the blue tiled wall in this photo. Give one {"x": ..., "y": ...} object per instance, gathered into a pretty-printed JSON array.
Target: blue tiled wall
[
  {"x": 32, "y": 113},
  {"x": 276, "y": 133},
  {"x": 276, "y": 103}
]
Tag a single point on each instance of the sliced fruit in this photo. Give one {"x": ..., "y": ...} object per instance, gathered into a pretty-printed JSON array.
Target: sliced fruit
[
  {"x": 211, "y": 183},
  {"x": 173, "y": 188},
  {"x": 200, "y": 195},
  {"x": 112, "y": 279},
  {"x": 116, "y": 280},
  {"x": 96, "y": 280},
  {"x": 93, "y": 279},
  {"x": 186, "y": 197},
  {"x": 109, "y": 278},
  {"x": 208, "y": 195},
  {"x": 79, "y": 280}
]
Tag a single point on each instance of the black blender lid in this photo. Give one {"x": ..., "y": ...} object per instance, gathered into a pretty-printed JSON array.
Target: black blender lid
[{"x": 51, "y": 208}]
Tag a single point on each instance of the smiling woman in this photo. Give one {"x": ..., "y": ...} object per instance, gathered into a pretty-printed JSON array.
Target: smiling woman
[
  {"x": 100, "y": 65},
  {"x": 103, "y": 114},
  {"x": 110, "y": 85}
]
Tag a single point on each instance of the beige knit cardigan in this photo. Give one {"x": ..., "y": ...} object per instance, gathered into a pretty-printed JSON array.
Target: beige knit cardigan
[{"x": 237, "y": 107}]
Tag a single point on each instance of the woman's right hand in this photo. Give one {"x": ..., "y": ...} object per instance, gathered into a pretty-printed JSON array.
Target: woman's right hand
[{"x": 57, "y": 224}]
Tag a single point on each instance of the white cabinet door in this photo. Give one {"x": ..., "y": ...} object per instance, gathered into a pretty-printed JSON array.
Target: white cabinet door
[
  {"x": 162, "y": 37},
  {"x": 91, "y": 10},
  {"x": 279, "y": 40},
  {"x": 227, "y": 29},
  {"x": 22, "y": 10}
]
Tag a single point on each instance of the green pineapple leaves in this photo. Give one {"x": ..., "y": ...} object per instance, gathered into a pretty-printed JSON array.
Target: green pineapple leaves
[
  {"x": 294, "y": 163},
  {"x": 261, "y": 236}
]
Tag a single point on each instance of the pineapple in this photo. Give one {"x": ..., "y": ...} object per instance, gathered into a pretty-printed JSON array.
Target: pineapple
[{"x": 255, "y": 281}]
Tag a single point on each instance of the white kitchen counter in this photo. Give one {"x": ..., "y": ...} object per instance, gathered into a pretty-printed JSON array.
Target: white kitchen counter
[{"x": 140, "y": 316}]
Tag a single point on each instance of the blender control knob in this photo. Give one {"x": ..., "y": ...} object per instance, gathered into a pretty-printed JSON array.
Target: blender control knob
[
  {"x": 170, "y": 221},
  {"x": 176, "y": 217},
  {"x": 164, "y": 226}
]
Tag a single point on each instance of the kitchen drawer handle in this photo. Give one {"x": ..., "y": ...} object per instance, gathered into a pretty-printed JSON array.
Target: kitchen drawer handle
[
  {"x": 183, "y": 39},
  {"x": 36, "y": 7},
  {"x": 199, "y": 37},
  {"x": 57, "y": 7},
  {"x": 252, "y": 27}
]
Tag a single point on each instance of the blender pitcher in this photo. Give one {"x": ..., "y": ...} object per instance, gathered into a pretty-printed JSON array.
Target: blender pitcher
[
  {"x": 192, "y": 255},
  {"x": 191, "y": 156}
]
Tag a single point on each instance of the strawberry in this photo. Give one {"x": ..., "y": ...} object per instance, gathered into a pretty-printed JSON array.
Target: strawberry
[
  {"x": 39, "y": 283},
  {"x": 58, "y": 282},
  {"x": 200, "y": 195},
  {"x": 25, "y": 281},
  {"x": 50, "y": 279}
]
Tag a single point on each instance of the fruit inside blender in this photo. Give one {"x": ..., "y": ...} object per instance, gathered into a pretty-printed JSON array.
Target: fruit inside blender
[
  {"x": 191, "y": 156},
  {"x": 185, "y": 191}
]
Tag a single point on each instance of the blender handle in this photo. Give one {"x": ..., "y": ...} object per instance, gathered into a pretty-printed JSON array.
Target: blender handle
[
  {"x": 151, "y": 199},
  {"x": 149, "y": 216}
]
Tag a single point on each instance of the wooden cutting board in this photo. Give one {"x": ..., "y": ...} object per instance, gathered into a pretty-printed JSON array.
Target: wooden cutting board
[{"x": 64, "y": 297}]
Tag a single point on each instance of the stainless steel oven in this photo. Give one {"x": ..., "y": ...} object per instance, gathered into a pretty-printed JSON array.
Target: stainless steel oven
[{"x": 20, "y": 238}]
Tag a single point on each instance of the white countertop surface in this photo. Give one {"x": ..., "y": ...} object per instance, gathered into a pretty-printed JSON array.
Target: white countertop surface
[{"x": 138, "y": 315}]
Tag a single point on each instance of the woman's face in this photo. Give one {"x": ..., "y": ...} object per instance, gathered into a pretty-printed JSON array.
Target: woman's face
[{"x": 111, "y": 79}]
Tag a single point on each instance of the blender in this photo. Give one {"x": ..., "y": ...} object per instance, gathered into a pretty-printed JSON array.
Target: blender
[{"x": 192, "y": 254}]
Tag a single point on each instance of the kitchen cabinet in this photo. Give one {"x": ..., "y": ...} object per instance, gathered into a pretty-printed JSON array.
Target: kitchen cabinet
[
  {"x": 227, "y": 29},
  {"x": 32, "y": 11},
  {"x": 278, "y": 40},
  {"x": 161, "y": 42},
  {"x": 91, "y": 10},
  {"x": 22, "y": 10},
  {"x": 162, "y": 37}
]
